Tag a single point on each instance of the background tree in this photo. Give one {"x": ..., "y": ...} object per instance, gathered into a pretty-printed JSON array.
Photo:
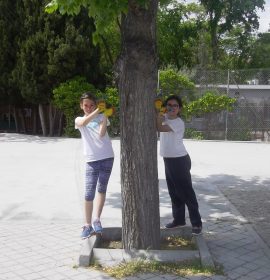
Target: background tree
[
  {"x": 259, "y": 57},
  {"x": 236, "y": 46},
  {"x": 70, "y": 49},
  {"x": 173, "y": 82},
  {"x": 137, "y": 70},
  {"x": 223, "y": 15},
  {"x": 179, "y": 26},
  {"x": 66, "y": 98},
  {"x": 260, "y": 50},
  {"x": 206, "y": 106},
  {"x": 9, "y": 46},
  {"x": 32, "y": 75},
  {"x": 53, "y": 49},
  {"x": 110, "y": 46},
  {"x": 31, "y": 72},
  {"x": 208, "y": 103}
]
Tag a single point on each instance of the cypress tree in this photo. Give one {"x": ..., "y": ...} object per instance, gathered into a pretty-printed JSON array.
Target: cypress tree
[
  {"x": 52, "y": 50},
  {"x": 10, "y": 26}
]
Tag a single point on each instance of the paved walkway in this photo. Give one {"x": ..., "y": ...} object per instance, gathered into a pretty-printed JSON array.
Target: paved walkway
[{"x": 41, "y": 186}]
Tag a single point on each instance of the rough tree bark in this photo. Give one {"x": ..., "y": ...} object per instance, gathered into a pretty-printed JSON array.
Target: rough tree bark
[
  {"x": 22, "y": 120},
  {"x": 52, "y": 119},
  {"x": 137, "y": 86},
  {"x": 60, "y": 124},
  {"x": 17, "y": 120},
  {"x": 214, "y": 44},
  {"x": 42, "y": 119},
  {"x": 34, "y": 119}
]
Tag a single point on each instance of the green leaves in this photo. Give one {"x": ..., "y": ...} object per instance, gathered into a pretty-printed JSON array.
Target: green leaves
[
  {"x": 102, "y": 11},
  {"x": 178, "y": 33},
  {"x": 225, "y": 14},
  {"x": 259, "y": 55},
  {"x": 51, "y": 7},
  {"x": 209, "y": 102},
  {"x": 64, "y": 7},
  {"x": 172, "y": 82},
  {"x": 66, "y": 97}
]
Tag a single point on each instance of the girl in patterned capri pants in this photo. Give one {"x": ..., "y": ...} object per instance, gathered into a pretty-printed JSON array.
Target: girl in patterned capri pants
[{"x": 99, "y": 161}]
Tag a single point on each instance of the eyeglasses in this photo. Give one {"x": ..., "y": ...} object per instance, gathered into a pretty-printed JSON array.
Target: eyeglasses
[{"x": 173, "y": 105}]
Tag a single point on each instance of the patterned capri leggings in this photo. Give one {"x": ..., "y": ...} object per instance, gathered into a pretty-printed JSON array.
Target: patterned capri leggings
[{"x": 97, "y": 176}]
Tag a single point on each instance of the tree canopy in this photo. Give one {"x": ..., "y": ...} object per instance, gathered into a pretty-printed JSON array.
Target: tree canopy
[
  {"x": 179, "y": 26},
  {"x": 224, "y": 15}
]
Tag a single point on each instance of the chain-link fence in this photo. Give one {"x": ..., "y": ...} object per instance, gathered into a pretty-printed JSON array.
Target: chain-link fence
[
  {"x": 250, "y": 117},
  {"x": 232, "y": 77}
]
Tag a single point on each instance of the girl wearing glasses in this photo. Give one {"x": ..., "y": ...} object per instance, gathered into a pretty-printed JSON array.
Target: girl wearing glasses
[{"x": 177, "y": 166}]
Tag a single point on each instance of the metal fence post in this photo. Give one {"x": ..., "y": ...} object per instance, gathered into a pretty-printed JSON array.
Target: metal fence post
[{"x": 226, "y": 120}]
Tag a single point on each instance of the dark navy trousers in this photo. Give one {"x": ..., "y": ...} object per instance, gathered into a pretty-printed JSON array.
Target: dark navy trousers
[{"x": 178, "y": 177}]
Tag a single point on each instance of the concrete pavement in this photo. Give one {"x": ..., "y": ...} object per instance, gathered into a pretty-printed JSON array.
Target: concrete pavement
[{"x": 41, "y": 184}]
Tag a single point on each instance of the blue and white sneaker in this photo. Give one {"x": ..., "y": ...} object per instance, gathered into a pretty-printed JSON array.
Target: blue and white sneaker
[
  {"x": 97, "y": 226},
  {"x": 87, "y": 232}
]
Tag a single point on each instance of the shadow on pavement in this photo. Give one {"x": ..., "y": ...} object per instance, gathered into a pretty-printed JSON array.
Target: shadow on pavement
[{"x": 114, "y": 200}]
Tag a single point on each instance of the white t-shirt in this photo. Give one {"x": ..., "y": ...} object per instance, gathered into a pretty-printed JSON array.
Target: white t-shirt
[
  {"x": 171, "y": 143},
  {"x": 95, "y": 146}
]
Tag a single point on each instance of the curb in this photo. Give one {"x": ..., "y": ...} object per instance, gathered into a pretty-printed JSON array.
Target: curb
[
  {"x": 206, "y": 258},
  {"x": 86, "y": 253},
  {"x": 90, "y": 250}
]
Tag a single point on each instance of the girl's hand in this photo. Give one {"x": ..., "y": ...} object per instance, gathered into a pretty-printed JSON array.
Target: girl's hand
[
  {"x": 160, "y": 118},
  {"x": 101, "y": 106},
  {"x": 86, "y": 119}
]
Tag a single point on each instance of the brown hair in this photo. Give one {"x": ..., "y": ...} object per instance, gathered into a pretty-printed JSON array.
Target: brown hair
[
  {"x": 176, "y": 98},
  {"x": 88, "y": 95}
]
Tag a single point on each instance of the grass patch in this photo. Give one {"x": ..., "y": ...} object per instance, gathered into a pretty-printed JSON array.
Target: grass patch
[
  {"x": 134, "y": 267},
  {"x": 111, "y": 244},
  {"x": 178, "y": 243},
  {"x": 168, "y": 243}
]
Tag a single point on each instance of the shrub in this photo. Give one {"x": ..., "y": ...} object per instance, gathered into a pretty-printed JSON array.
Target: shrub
[
  {"x": 191, "y": 133},
  {"x": 66, "y": 97}
]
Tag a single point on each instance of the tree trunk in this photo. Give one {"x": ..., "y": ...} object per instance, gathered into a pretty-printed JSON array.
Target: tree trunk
[
  {"x": 52, "y": 118},
  {"x": 16, "y": 119},
  {"x": 214, "y": 41},
  {"x": 22, "y": 118},
  {"x": 34, "y": 119},
  {"x": 60, "y": 124},
  {"x": 42, "y": 119},
  {"x": 138, "y": 86}
]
